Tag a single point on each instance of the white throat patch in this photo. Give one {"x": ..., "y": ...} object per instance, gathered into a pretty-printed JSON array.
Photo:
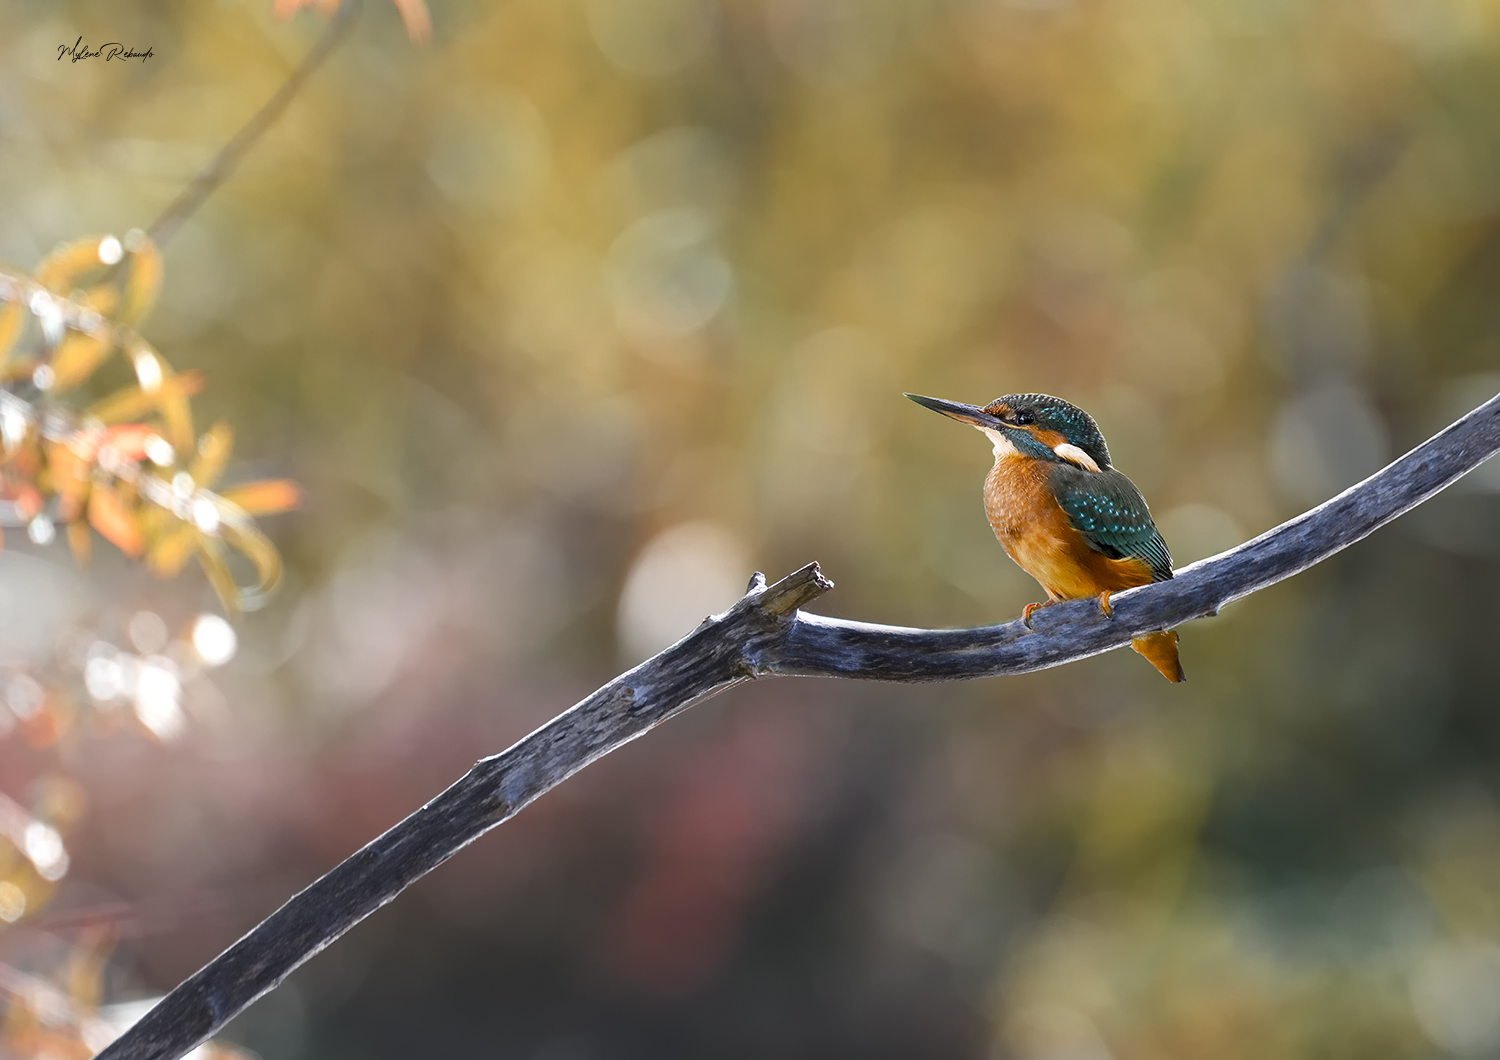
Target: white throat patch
[{"x": 1002, "y": 444}]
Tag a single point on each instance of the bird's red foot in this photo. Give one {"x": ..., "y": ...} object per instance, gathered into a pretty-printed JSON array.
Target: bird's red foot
[
  {"x": 1104, "y": 604},
  {"x": 1026, "y": 614}
]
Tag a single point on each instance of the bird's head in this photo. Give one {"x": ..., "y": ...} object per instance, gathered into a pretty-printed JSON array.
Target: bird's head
[{"x": 1035, "y": 425}]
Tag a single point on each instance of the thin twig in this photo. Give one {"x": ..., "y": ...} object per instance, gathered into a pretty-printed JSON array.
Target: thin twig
[
  {"x": 224, "y": 163},
  {"x": 764, "y": 634}
]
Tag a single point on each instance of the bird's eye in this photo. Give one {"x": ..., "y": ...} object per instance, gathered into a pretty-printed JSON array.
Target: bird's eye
[{"x": 1025, "y": 418}]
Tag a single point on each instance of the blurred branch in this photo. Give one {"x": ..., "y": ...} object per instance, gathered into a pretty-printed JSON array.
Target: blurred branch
[
  {"x": 764, "y": 634},
  {"x": 224, "y": 163}
]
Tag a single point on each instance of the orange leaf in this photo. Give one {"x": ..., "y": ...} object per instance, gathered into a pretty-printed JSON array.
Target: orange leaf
[
  {"x": 266, "y": 497},
  {"x": 415, "y": 18},
  {"x": 28, "y": 459},
  {"x": 414, "y": 14},
  {"x": 114, "y": 521},
  {"x": 129, "y": 440},
  {"x": 69, "y": 475},
  {"x": 287, "y": 8}
]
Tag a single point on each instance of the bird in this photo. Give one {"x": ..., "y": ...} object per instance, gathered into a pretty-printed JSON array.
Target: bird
[{"x": 1063, "y": 512}]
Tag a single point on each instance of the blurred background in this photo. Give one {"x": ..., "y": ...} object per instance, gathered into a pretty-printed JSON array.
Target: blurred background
[{"x": 572, "y": 318}]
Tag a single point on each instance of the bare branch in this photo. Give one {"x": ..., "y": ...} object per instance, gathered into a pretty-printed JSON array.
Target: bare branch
[
  {"x": 764, "y": 634},
  {"x": 228, "y": 158}
]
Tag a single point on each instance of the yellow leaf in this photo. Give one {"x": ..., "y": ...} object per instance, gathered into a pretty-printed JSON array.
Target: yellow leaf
[
  {"x": 76, "y": 359},
  {"x": 10, "y": 328},
  {"x": 154, "y": 521},
  {"x": 133, "y": 403},
  {"x": 59, "y": 271},
  {"x": 171, "y": 550},
  {"x": 144, "y": 280},
  {"x": 179, "y": 416},
  {"x": 20, "y": 368},
  {"x": 211, "y": 557},
  {"x": 213, "y": 454},
  {"x": 115, "y": 522},
  {"x": 241, "y": 534},
  {"x": 103, "y": 298},
  {"x": 266, "y": 497}
]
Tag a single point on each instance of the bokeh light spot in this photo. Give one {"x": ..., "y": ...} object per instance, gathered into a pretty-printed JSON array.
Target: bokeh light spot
[
  {"x": 157, "y": 697},
  {"x": 667, "y": 278},
  {"x": 159, "y": 451},
  {"x": 41, "y": 531},
  {"x": 24, "y": 695},
  {"x": 214, "y": 640},
  {"x": 1326, "y": 440},
  {"x": 148, "y": 372},
  {"x": 148, "y": 632},
  {"x": 44, "y": 848},
  {"x": 651, "y": 37},
  {"x": 681, "y": 577},
  {"x": 12, "y": 902},
  {"x": 1456, "y": 994},
  {"x": 205, "y": 515},
  {"x": 1196, "y": 530}
]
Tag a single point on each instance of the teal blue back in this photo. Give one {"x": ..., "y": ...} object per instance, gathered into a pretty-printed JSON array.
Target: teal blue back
[{"x": 1107, "y": 509}]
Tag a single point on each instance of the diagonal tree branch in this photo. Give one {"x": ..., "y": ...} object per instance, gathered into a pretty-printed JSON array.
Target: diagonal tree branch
[{"x": 765, "y": 634}]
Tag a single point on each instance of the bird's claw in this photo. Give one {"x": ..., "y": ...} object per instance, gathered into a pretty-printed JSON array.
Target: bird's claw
[
  {"x": 1026, "y": 614},
  {"x": 1104, "y": 604}
]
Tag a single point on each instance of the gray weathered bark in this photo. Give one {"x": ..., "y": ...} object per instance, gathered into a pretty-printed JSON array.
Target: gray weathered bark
[{"x": 764, "y": 634}]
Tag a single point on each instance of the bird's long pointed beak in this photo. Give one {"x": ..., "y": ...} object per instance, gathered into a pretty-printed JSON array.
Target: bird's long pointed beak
[{"x": 958, "y": 410}]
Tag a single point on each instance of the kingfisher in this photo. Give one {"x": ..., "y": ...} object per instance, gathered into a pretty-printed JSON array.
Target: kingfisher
[{"x": 1063, "y": 512}]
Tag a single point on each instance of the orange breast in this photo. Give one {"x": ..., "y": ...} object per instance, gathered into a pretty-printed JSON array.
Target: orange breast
[{"x": 1036, "y": 533}]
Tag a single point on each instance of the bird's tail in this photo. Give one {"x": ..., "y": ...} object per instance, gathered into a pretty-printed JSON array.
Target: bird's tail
[{"x": 1160, "y": 650}]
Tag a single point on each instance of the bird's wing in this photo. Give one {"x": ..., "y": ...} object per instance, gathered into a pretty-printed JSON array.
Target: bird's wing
[{"x": 1110, "y": 513}]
